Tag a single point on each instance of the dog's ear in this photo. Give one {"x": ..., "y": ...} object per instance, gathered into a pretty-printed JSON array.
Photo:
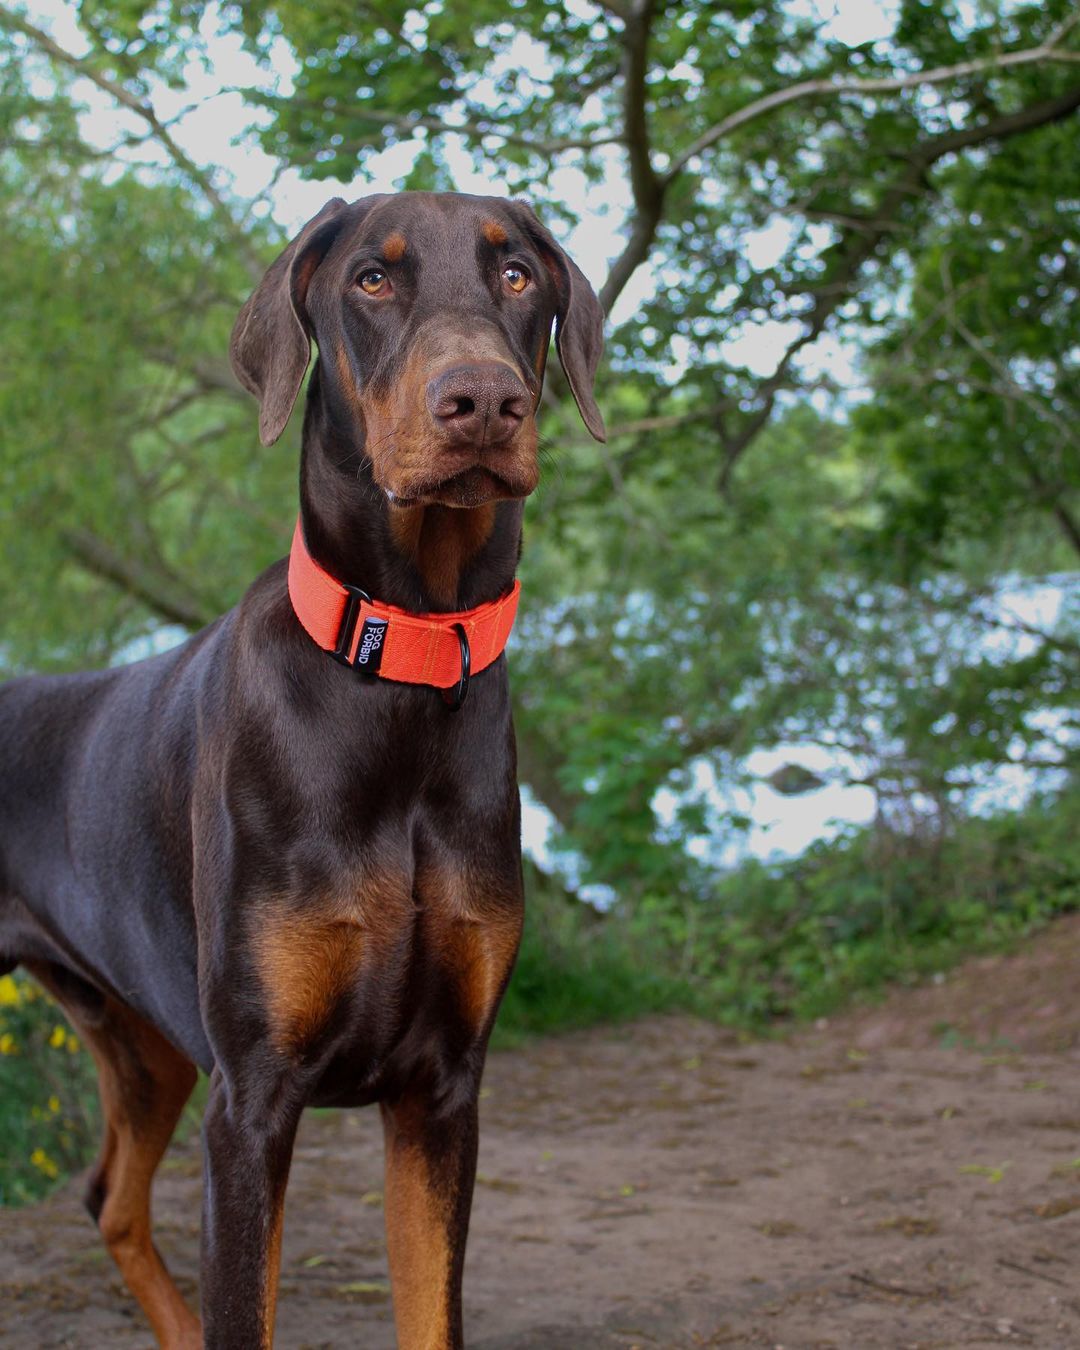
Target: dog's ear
[
  {"x": 271, "y": 339},
  {"x": 579, "y": 320}
]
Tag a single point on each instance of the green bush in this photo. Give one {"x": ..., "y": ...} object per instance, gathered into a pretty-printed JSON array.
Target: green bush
[
  {"x": 797, "y": 939},
  {"x": 48, "y": 1095},
  {"x": 576, "y": 968}
]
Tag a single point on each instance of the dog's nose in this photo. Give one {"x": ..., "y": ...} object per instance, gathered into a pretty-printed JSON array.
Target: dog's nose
[{"x": 481, "y": 404}]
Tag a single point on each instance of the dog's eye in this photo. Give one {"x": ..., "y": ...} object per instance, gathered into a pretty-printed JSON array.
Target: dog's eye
[
  {"x": 516, "y": 278},
  {"x": 373, "y": 281}
]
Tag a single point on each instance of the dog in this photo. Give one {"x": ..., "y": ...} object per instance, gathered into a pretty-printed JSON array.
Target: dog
[{"x": 288, "y": 850}]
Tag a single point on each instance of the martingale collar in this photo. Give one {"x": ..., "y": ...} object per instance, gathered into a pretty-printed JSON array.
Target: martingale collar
[{"x": 441, "y": 650}]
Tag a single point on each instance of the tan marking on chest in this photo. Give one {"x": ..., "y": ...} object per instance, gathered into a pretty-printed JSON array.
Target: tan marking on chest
[
  {"x": 474, "y": 926},
  {"x": 307, "y": 957},
  {"x": 440, "y": 541},
  {"x": 482, "y": 956},
  {"x": 305, "y": 965}
]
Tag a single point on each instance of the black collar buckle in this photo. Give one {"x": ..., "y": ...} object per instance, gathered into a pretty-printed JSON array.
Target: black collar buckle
[
  {"x": 455, "y": 698},
  {"x": 347, "y": 631}
]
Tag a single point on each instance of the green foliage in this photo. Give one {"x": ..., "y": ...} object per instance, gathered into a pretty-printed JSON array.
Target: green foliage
[
  {"x": 976, "y": 385},
  {"x": 48, "y": 1095},
  {"x": 797, "y": 940},
  {"x": 576, "y": 969},
  {"x": 129, "y": 455}
]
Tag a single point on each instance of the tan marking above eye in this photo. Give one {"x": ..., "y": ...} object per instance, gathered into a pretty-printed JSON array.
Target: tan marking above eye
[
  {"x": 493, "y": 232},
  {"x": 516, "y": 278},
  {"x": 394, "y": 246}
]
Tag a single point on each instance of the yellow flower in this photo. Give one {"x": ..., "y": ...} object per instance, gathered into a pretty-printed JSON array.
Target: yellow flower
[
  {"x": 58, "y": 1037},
  {"x": 44, "y": 1163},
  {"x": 7, "y": 1044},
  {"x": 54, "y": 1105},
  {"x": 9, "y": 992},
  {"x": 72, "y": 1043}
]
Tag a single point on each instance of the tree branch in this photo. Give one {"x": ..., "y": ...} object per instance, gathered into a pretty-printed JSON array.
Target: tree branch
[
  {"x": 159, "y": 594},
  {"x": 650, "y": 188},
  {"x": 662, "y": 422},
  {"x": 158, "y": 130},
  {"x": 647, "y": 187},
  {"x": 857, "y": 246},
  {"x": 1045, "y": 51},
  {"x": 472, "y": 129}
]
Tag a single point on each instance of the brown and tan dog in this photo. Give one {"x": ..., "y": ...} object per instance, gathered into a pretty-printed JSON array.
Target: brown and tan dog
[{"x": 244, "y": 856}]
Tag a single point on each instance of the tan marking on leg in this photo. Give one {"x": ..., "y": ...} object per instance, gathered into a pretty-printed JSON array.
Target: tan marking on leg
[
  {"x": 273, "y": 1265},
  {"x": 493, "y": 232},
  {"x": 394, "y": 246},
  {"x": 417, "y": 1241},
  {"x": 144, "y": 1082}
]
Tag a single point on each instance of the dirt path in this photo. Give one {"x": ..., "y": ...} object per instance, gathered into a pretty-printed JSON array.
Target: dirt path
[{"x": 905, "y": 1177}]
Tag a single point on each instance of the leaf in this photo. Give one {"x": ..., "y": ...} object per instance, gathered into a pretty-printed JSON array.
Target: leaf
[
  {"x": 992, "y": 1174},
  {"x": 376, "y": 1288}
]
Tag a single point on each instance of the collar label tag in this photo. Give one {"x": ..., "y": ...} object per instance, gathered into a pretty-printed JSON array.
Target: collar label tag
[{"x": 369, "y": 649}]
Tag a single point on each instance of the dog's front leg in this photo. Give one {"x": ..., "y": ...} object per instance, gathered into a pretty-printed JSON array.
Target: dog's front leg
[
  {"x": 247, "y": 1148},
  {"x": 430, "y": 1171}
]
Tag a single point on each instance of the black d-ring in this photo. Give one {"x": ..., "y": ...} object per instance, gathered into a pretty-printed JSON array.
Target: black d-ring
[{"x": 455, "y": 699}]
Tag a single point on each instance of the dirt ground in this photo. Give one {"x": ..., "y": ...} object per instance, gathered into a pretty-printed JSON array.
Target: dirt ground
[{"x": 903, "y": 1176}]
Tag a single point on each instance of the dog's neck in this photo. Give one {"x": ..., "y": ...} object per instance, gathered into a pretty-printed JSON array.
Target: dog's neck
[{"x": 422, "y": 558}]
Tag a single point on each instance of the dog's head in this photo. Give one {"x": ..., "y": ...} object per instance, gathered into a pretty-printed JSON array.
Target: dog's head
[{"x": 432, "y": 313}]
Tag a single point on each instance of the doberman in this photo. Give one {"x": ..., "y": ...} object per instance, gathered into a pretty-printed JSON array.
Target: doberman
[{"x": 247, "y": 856}]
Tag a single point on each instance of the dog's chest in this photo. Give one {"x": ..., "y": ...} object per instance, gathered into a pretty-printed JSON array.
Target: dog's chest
[{"x": 349, "y": 977}]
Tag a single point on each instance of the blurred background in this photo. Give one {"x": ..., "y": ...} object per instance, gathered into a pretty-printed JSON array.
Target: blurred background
[{"x": 796, "y": 669}]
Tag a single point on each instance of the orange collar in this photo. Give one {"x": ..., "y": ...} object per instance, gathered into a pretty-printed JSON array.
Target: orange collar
[{"x": 436, "y": 649}]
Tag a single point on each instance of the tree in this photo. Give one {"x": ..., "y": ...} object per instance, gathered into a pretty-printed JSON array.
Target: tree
[{"x": 709, "y": 599}]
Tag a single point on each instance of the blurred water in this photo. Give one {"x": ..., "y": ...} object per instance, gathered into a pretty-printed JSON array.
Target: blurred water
[{"x": 755, "y": 820}]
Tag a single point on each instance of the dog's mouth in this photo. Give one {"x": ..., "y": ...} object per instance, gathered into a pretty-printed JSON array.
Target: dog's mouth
[{"x": 471, "y": 487}]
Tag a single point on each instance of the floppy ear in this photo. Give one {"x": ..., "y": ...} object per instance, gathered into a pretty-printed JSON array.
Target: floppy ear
[
  {"x": 579, "y": 321},
  {"x": 271, "y": 344}
]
